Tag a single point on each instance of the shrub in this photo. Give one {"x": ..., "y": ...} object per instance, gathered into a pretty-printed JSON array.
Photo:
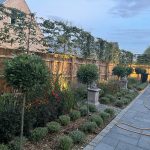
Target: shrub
[
  {"x": 77, "y": 136},
  {"x": 124, "y": 92},
  {"x": 141, "y": 86},
  {"x": 80, "y": 94},
  {"x": 132, "y": 81},
  {"x": 15, "y": 143},
  {"x": 126, "y": 101},
  {"x": 92, "y": 108},
  {"x": 10, "y": 117},
  {"x": 84, "y": 110},
  {"x": 89, "y": 127},
  {"x": 110, "y": 86},
  {"x": 69, "y": 101},
  {"x": 104, "y": 115},
  {"x": 139, "y": 70},
  {"x": 110, "y": 111},
  {"x": 118, "y": 94},
  {"x": 53, "y": 127},
  {"x": 74, "y": 115},
  {"x": 104, "y": 100},
  {"x": 38, "y": 134},
  {"x": 111, "y": 98},
  {"x": 144, "y": 77},
  {"x": 119, "y": 103},
  {"x": 97, "y": 119},
  {"x": 65, "y": 143},
  {"x": 130, "y": 96},
  {"x": 64, "y": 120},
  {"x": 103, "y": 86},
  {"x": 101, "y": 93},
  {"x": 41, "y": 112},
  {"x": 3, "y": 147}
]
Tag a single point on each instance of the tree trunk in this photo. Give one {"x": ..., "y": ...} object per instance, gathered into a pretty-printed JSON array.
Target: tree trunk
[
  {"x": 29, "y": 33},
  {"x": 107, "y": 69},
  {"x": 87, "y": 105},
  {"x": 63, "y": 63},
  {"x": 22, "y": 122}
]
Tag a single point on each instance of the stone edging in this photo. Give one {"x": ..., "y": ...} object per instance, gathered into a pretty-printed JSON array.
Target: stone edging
[{"x": 100, "y": 136}]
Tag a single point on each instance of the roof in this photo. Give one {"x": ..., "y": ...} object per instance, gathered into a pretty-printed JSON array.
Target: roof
[{"x": 2, "y": 1}]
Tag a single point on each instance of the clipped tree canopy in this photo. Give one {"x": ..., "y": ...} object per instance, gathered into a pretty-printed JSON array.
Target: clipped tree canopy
[
  {"x": 24, "y": 72},
  {"x": 87, "y": 74}
]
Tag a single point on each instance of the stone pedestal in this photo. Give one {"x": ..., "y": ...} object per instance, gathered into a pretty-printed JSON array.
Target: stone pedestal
[
  {"x": 93, "y": 96},
  {"x": 124, "y": 83}
]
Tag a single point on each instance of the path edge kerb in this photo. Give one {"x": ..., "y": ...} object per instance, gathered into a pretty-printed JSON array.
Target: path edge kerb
[{"x": 101, "y": 135}]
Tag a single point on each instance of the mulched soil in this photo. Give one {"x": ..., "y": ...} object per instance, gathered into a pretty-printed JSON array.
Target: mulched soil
[{"x": 50, "y": 142}]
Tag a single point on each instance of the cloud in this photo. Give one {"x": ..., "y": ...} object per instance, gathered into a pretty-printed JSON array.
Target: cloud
[
  {"x": 130, "y": 8},
  {"x": 139, "y": 34}
]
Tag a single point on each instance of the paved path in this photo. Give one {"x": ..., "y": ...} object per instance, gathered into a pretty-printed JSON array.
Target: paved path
[{"x": 130, "y": 130}]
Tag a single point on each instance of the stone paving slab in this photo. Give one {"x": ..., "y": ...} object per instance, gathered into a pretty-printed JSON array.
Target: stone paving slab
[{"x": 115, "y": 138}]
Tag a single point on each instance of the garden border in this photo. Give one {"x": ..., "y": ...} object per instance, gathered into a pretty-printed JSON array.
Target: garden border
[{"x": 101, "y": 135}]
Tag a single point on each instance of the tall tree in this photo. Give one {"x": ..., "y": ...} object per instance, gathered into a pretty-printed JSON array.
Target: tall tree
[
  {"x": 126, "y": 58},
  {"x": 147, "y": 51},
  {"x": 86, "y": 44}
]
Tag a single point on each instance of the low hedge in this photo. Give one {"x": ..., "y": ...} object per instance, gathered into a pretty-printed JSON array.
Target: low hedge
[
  {"x": 110, "y": 111},
  {"x": 74, "y": 115},
  {"x": 3, "y": 147},
  {"x": 119, "y": 103},
  {"x": 89, "y": 127},
  {"x": 64, "y": 120},
  {"x": 77, "y": 136},
  {"x": 38, "y": 134},
  {"x": 53, "y": 127},
  {"x": 97, "y": 119},
  {"x": 104, "y": 100},
  {"x": 112, "y": 98},
  {"x": 65, "y": 143},
  {"x": 104, "y": 115},
  {"x": 84, "y": 110},
  {"x": 15, "y": 143},
  {"x": 92, "y": 108}
]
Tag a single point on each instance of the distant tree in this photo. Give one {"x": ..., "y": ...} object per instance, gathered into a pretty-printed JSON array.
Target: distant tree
[
  {"x": 139, "y": 71},
  {"x": 107, "y": 52},
  {"x": 147, "y": 51},
  {"x": 143, "y": 59},
  {"x": 119, "y": 71},
  {"x": 126, "y": 58},
  {"x": 86, "y": 44}
]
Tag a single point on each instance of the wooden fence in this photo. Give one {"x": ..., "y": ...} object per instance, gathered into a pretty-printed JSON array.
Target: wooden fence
[{"x": 64, "y": 64}]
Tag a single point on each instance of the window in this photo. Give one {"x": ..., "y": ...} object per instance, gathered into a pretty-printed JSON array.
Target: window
[
  {"x": 16, "y": 16},
  {"x": 13, "y": 20}
]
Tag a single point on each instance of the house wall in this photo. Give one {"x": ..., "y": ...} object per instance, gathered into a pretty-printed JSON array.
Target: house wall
[{"x": 22, "y": 6}]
